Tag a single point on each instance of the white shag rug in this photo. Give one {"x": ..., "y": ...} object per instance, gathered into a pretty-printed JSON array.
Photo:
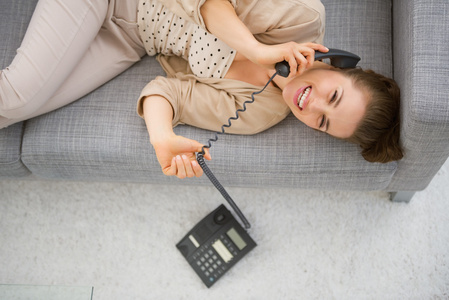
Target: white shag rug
[{"x": 120, "y": 239}]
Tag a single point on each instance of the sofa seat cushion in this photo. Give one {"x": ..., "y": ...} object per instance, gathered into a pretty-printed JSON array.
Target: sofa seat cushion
[
  {"x": 101, "y": 138},
  {"x": 98, "y": 137}
]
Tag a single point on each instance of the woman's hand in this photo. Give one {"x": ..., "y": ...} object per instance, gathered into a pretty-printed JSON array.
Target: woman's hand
[
  {"x": 300, "y": 57},
  {"x": 176, "y": 155},
  {"x": 221, "y": 20}
]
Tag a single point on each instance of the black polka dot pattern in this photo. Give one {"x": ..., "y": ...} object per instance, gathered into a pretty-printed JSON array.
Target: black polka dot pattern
[
  {"x": 209, "y": 56},
  {"x": 163, "y": 32}
]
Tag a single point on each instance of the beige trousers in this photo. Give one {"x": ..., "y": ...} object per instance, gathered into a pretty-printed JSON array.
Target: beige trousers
[{"x": 71, "y": 47}]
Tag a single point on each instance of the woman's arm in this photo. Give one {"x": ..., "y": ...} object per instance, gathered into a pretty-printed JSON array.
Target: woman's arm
[
  {"x": 221, "y": 20},
  {"x": 176, "y": 154}
]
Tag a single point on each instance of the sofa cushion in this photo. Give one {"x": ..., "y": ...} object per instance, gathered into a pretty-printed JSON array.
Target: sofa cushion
[
  {"x": 98, "y": 137},
  {"x": 101, "y": 138},
  {"x": 362, "y": 27},
  {"x": 14, "y": 19}
]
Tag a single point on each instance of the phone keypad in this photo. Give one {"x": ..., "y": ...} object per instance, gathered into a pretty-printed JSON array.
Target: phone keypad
[{"x": 209, "y": 262}]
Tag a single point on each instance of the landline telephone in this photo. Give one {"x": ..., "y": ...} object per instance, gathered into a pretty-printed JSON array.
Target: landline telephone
[{"x": 218, "y": 241}]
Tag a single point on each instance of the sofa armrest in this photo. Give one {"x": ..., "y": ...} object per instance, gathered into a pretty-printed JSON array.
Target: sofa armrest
[{"x": 421, "y": 68}]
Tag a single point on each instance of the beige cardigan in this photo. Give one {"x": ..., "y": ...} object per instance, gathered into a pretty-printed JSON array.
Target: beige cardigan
[{"x": 207, "y": 102}]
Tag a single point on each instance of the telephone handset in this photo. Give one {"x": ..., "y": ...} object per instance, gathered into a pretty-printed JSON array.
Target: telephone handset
[
  {"x": 339, "y": 58},
  {"x": 218, "y": 241}
]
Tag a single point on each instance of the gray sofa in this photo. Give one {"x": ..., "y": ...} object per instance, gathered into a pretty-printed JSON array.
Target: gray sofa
[{"x": 101, "y": 138}]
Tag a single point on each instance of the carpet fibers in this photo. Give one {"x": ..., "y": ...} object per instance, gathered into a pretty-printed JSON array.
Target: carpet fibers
[{"x": 120, "y": 238}]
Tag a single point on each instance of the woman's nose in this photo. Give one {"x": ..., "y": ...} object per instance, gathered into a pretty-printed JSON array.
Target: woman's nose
[{"x": 316, "y": 105}]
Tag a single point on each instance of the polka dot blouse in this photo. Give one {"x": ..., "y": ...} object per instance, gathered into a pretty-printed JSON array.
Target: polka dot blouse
[{"x": 163, "y": 32}]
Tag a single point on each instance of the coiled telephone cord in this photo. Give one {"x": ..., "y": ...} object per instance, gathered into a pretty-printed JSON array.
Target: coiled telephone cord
[{"x": 208, "y": 172}]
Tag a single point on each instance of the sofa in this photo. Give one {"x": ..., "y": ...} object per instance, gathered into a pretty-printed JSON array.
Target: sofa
[{"x": 101, "y": 138}]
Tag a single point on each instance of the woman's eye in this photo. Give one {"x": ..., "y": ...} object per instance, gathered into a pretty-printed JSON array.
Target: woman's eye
[
  {"x": 322, "y": 122},
  {"x": 333, "y": 97}
]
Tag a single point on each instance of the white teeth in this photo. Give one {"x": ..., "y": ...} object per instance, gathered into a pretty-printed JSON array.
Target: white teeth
[{"x": 303, "y": 97}]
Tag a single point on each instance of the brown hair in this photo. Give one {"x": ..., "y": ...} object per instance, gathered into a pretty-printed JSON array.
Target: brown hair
[{"x": 378, "y": 132}]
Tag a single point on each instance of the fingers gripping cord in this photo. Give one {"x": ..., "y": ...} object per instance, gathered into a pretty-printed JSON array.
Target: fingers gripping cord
[{"x": 208, "y": 172}]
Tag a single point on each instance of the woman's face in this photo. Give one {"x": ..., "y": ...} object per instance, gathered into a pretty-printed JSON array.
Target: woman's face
[{"x": 327, "y": 101}]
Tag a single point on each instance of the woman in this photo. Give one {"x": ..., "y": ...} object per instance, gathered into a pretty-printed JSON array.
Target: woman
[
  {"x": 227, "y": 51},
  {"x": 358, "y": 106}
]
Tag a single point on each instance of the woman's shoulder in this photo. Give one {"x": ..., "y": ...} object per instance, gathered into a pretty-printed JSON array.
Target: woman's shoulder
[{"x": 274, "y": 21}]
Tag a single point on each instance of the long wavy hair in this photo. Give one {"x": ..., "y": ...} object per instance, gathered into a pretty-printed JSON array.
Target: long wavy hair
[{"x": 379, "y": 130}]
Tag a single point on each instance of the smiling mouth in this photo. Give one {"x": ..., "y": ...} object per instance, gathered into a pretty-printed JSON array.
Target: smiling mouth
[{"x": 301, "y": 96}]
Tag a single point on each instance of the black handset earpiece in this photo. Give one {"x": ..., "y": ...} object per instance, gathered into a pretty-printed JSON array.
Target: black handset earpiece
[
  {"x": 282, "y": 68},
  {"x": 339, "y": 58}
]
